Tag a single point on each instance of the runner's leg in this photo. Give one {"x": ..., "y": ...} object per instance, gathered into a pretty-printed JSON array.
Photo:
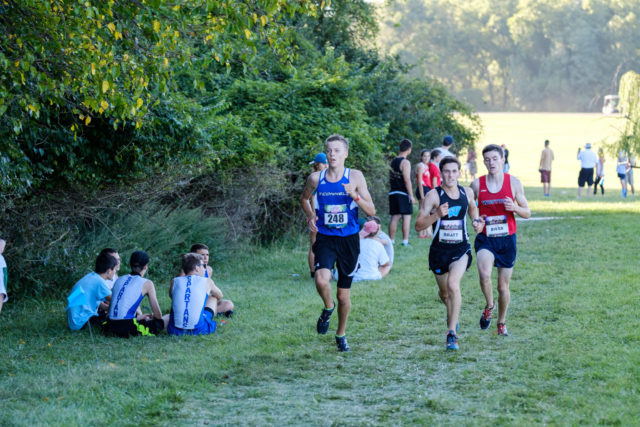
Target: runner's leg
[
  {"x": 504, "y": 295},
  {"x": 485, "y": 259},
  {"x": 393, "y": 226},
  {"x": 323, "y": 286},
  {"x": 344, "y": 307}
]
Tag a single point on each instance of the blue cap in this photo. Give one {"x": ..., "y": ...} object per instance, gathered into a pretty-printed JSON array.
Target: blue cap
[
  {"x": 447, "y": 140},
  {"x": 320, "y": 158}
]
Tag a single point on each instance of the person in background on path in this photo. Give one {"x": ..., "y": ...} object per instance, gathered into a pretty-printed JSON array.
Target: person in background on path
[
  {"x": 114, "y": 253},
  {"x": 588, "y": 160},
  {"x": 194, "y": 299},
  {"x": 400, "y": 193},
  {"x": 340, "y": 192},
  {"x": 89, "y": 297},
  {"x": 125, "y": 316},
  {"x": 373, "y": 261},
  {"x": 621, "y": 169},
  {"x": 546, "y": 157},
  {"x": 445, "y": 148},
  {"x": 500, "y": 197},
  {"x": 472, "y": 166},
  {"x": 319, "y": 164},
  {"x": 632, "y": 164},
  {"x": 506, "y": 159},
  {"x": 599, "y": 173},
  {"x": 423, "y": 184},
  {"x": 4, "y": 296},
  {"x": 447, "y": 206}
]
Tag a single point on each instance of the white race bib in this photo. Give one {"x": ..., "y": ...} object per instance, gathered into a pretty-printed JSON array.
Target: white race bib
[
  {"x": 451, "y": 231},
  {"x": 496, "y": 226},
  {"x": 335, "y": 216}
]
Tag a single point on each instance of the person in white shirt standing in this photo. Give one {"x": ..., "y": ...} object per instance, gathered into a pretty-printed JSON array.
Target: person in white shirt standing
[{"x": 588, "y": 160}]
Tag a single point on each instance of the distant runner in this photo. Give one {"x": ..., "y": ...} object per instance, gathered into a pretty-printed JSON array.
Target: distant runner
[
  {"x": 499, "y": 196},
  {"x": 450, "y": 253},
  {"x": 340, "y": 192}
]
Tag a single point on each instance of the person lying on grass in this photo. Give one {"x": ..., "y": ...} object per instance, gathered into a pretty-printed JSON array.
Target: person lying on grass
[
  {"x": 194, "y": 299},
  {"x": 125, "y": 316},
  {"x": 89, "y": 297}
]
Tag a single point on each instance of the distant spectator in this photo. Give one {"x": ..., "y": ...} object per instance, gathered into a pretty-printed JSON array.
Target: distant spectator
[
  {"x": 445, "y": 148},
  {"x": 472, "y": 166},
  {"x": 225, "y": 306},
  {"x": 384, "y": 239},
  {"x": 588, "y": 160},
  {"x": 194, "y": 299},
  {"x": 434, "y": 167},
  {"x": 90, "y": 296},
  {"x": 423, "y": 177},
  {"x": 622, "y": 168},
  {"x": 114, "y": 253},
  {"x": 632, "y": 164},
  {"x": 125, "y": 316},
  {"x": 506, "y": 167},
  {"x": 546, "y": 157},
  {"x": 400, "y": 193},
  {"x": 373, "y": 261},
  {"x": 4, "y": 296},
  {"x": 599, "y": 173}
]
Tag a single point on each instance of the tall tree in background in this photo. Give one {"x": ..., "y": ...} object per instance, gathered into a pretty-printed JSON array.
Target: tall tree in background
[{"x": 555, "y": 55}]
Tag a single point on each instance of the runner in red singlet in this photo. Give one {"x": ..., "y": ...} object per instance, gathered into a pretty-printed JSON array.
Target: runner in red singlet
[{"x": 499, "y": 197}]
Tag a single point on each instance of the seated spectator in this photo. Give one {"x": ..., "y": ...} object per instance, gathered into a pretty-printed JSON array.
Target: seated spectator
[
  {"x": 194, "y": 299},
  {"x": 225, "y": 306},
  {"x": 125, "y": 316},
  {"x": 89, "y": 298},
  {"x": 383, "y": 238},
  {"x": 114, "y": 253},
  {"x": 4, "y": 297},
  {"x": 373, "y": 261}
]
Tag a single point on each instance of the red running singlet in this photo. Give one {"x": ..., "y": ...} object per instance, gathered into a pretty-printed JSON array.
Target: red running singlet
[{"x": 498, "y": 221}]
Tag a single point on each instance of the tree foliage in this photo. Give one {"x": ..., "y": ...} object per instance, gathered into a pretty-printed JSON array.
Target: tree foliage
[
  {"x": 66, "y": 65},
  {"x": 629, "y": 105},
  {"x": 548, "y": 55}
]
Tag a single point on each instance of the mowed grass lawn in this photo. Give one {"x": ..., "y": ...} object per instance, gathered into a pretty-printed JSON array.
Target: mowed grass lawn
[{"x": 573, "y": 356}]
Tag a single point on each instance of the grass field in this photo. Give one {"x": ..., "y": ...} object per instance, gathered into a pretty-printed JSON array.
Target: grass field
[{"x": 573, "y": 357}]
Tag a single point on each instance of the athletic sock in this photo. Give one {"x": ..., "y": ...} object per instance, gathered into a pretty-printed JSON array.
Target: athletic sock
[
  {"x": 405, "y": 241},
  {"x": 341, "y": 336}
]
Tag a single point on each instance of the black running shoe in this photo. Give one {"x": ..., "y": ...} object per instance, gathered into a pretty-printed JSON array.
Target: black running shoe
[
  {"x": 323, "y": 320},
  {"x": 452, "y": 341},
  {"x": 342, "y": 344},
  {"x": 485, "y": 319}
]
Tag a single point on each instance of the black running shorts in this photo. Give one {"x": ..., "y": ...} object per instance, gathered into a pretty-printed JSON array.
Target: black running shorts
[
  {"x": 440, "y": 259},
  {"x": 399, "y": 204},
  {"x": 340, "y": 251}
]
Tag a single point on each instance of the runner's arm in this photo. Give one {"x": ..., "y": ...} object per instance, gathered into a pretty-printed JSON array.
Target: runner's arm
[
  {"x": 305, "y": 203},
  {"x": 522, "y": 207},
  {"x": 425, "y": 217},
  {"x": 358, "y": 191}
]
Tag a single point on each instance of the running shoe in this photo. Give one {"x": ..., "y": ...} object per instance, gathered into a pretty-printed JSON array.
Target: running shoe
[
  {"x": 323, "y": 320},
  {"x": 406, "y": 245},
  {"x": 452, "y": 341},
  {"x": 485, "y": 319},
  {"x": 502, "y": 329},
  {"x": 342, "y": 344}
]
